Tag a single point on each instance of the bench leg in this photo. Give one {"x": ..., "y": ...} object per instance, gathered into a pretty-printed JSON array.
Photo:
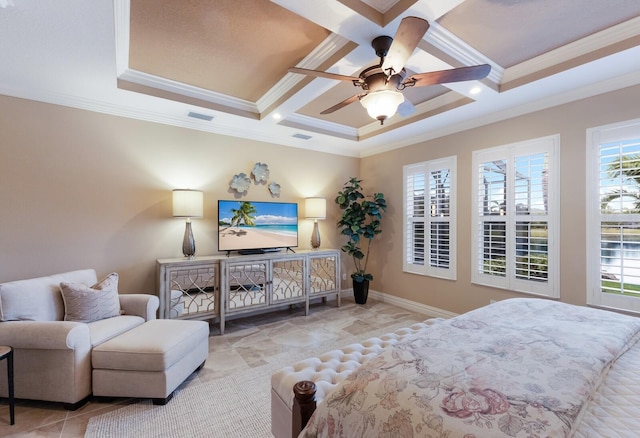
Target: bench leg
[{"x": 304, "y": 404}]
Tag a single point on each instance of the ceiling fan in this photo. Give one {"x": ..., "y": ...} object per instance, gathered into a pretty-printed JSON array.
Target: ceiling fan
[{"x": 383, "y": 83}]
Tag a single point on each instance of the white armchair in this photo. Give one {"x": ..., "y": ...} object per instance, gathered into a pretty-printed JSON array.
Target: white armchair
[{"x": 52, "y": 357}]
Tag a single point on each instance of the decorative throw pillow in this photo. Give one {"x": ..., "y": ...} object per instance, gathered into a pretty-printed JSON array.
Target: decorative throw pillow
[{"x": 84, "y": 303}]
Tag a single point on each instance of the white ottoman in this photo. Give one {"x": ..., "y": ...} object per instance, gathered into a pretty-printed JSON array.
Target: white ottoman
[
  {"x": 151, "y": 360},
  {"x": 327, "y": 371}
]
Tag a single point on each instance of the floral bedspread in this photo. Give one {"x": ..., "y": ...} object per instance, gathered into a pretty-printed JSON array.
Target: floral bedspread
[{"x": 522, "y": 367}]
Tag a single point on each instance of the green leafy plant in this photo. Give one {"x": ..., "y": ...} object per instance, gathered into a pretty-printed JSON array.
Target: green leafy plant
[{"x": 360, "y": 222}]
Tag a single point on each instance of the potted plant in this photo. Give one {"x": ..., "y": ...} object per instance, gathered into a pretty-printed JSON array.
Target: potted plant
[{"x": 360, "y": 222}]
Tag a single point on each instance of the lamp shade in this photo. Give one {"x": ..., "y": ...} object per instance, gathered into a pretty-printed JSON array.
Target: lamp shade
[
  {"x": 382, "y": 104},
  {"x": 315, "y": 208},
  {"x": 187, "y": 203}
]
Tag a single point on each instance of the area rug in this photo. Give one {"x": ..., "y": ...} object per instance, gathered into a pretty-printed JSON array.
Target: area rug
[
  {"x": 232, "y": 406},
  {"x": 238, "y": 405}
]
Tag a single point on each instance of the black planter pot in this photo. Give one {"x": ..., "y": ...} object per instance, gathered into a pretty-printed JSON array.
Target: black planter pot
[{"x": 361, "y": 291}]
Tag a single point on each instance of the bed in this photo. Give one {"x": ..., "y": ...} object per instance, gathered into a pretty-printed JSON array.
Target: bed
[{"x": 521, "y": 367}]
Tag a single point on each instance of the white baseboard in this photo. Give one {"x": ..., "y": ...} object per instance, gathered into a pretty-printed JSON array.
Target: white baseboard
[{"x": 403, "y": 303}]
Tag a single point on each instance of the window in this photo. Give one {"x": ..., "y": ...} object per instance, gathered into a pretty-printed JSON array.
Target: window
[
  {"x": 613, "y": 216},
  {"x": 515, "y": 217},
  {"x": 429, "y": 218}
]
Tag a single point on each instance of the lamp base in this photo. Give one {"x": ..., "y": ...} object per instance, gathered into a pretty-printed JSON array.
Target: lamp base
[
  {"x": 188, "y": 243},
  {"x": 315, "y": 236}
]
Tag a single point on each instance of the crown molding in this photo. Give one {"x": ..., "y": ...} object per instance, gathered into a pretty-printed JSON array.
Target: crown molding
[
  {"x": 320, "y": 54},
  {"x": 145, "y": 79},
  {"x": 584, "y": 46},
  {"x": 122, "y": 21},
  {"x": 320, "y": 126},
  {"x": 450, "y": 44},
  {"x": 628, "y": 80}
]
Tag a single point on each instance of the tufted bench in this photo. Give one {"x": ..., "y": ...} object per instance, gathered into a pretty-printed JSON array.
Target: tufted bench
[{"x": 327, "y": 371}]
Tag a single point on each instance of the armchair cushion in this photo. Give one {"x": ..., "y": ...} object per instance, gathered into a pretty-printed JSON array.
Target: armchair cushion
[
  {"x": 143, "y": 305},
  {"x": 84, "y": 303},
  {"x": 17, "y": 298},
  {"x": 105, "y": 329}
]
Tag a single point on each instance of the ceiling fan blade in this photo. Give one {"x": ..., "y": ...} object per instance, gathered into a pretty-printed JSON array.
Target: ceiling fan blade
[
  {"x": 460, "y": 74},
  {"x": 409, "y": 34},
  {"x": 342, "y": 104},
  {"x": 406, "y": 108},
  {"x": 322, "y": 74}
]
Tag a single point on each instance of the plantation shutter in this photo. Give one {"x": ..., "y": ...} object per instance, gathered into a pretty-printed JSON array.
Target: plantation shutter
[
  {"x": 613, "y": 216},
  {"x": 516, "y": 209},
  {"x": 429, "y": 194}
]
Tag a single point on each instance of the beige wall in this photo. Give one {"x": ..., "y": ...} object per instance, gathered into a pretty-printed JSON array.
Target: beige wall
[
  {"x": 383, "y": 173},
  {"x": 82, "y": 189}
]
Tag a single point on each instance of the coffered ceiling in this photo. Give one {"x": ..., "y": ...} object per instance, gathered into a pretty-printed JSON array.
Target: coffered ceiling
[{"x": 222, "y": 65}]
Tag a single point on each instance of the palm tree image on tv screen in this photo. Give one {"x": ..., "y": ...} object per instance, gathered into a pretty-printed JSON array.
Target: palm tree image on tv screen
[{"x": 254, "y": 226}]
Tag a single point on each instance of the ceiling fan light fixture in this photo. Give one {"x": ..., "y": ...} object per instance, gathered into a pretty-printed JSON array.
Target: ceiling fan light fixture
[{"x": 382, "y": 104}]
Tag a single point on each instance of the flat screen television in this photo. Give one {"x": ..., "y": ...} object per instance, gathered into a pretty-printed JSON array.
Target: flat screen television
[{"x": 255, "y": 227}]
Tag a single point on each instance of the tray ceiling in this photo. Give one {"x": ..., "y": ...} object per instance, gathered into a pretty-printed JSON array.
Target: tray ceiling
[{"x": 228, "y": 60}]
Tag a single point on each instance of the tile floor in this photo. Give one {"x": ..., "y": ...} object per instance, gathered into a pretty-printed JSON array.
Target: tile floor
[{"x": 245, "y": 344}]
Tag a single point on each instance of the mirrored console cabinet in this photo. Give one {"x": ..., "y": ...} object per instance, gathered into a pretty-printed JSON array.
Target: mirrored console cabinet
[{"x": 218, "y": 287}]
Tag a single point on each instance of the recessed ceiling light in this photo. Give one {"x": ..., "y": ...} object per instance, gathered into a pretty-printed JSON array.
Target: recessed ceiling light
[
  {"x": 277, "y": 116},
  {"x": 475, "y": 90}
]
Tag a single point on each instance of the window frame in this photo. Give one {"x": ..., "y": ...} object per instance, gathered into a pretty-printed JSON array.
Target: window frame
[
  {"x": 551, "y": 287},
  {"x": 595, "y": 136},
  {"x": 426, "y": 168}
]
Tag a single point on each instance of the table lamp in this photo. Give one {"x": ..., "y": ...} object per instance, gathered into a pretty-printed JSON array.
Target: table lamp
[
  {"x": 187, "y": 204},
  {"x": 315, "y": 208}
]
